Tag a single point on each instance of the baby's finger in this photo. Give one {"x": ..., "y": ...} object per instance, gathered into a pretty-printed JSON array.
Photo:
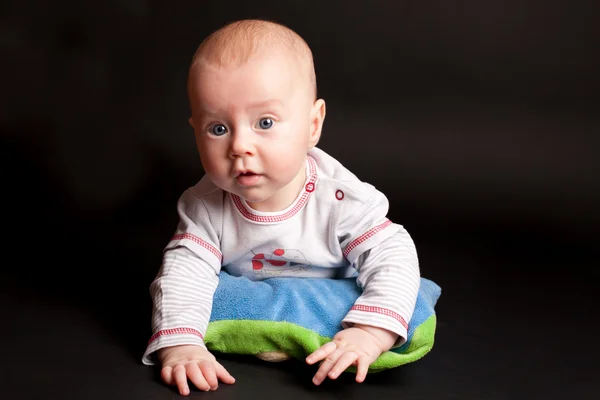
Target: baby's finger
[
  {"x": 223, "y": 374},
  {"x": 196, "y": 377},
  {"x": 362, "y": 367},
  {"x": 321, "y": 352},
  {"x": 167, "y": 375},
  {"x": 346, "y": 360},
  {"x": 325, "y": 367},
  {"x": 180, "y": 377},
  {"x": 209, "y": 373}
]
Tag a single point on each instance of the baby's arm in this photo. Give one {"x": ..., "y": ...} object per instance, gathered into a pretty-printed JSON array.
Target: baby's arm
[
  {"x": 182, "y": 296},
  {"x": 389, "y": 276}
]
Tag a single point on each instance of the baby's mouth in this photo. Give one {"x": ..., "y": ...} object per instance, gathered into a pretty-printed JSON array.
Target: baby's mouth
[{"x": 248, "y": 178}]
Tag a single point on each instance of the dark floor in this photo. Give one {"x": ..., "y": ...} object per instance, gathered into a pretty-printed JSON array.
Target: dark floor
[
  {"x": 478, "y": 119},
  {"x": 515, "y": 321}
]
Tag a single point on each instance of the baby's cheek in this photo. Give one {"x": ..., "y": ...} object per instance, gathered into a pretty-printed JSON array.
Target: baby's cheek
[
  {"x": 216, "y": 173},
  {"x": 289, "y": 168}
]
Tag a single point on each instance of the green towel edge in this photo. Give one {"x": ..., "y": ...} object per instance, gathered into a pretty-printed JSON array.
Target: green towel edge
[{"x": 250, "y": 337}]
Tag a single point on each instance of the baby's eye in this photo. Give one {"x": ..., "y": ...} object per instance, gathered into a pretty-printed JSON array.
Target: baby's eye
[
  {"x": 218, "y": 130},
  {"x": 265, "y": 123}
]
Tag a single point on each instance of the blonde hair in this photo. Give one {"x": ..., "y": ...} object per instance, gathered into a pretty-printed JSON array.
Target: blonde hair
[{"x": 237, "y": 42}]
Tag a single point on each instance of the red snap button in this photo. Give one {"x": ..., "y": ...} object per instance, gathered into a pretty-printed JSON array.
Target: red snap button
[
  {"x": 339, "y": 195},
  {"x": 310, "y": 187}
]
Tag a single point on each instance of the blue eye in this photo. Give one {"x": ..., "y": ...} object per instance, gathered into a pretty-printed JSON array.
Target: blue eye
[
  {"x": 218, "y": 130},
  {"x": 265, "y": 123}
]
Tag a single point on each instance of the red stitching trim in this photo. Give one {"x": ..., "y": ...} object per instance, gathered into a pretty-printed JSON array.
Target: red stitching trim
[
  {"x": 365, "y": 236},
  {"x": 380, "y": 310},
  {"x": 175, "y": 331},
  {"x": 312, "y": 171},
  {"x": 201, "y": 242}
]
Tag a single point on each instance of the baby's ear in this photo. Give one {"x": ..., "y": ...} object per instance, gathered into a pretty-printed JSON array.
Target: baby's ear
[
  {"x": 191, "y": 121},
  {"x": 317, "y": 116}
]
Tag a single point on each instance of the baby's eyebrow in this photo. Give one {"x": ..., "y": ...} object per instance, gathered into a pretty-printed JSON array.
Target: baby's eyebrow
[
  {"x": 207, "y": 110},
  {"x": 267, "y": 103},
  {"x": 261, "y": 104}
]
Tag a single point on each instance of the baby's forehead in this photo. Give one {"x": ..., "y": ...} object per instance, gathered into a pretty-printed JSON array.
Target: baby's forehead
[
  {"x": 250, "y": 41},
  {"x": 277, "y": 61},
  {"x": 239, "y": 54}
]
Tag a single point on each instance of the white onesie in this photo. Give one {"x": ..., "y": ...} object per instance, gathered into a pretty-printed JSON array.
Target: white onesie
[{"x": 337, "y": 227}]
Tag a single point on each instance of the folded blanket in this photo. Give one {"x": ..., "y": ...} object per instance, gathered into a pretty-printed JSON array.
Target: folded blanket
[{"x": 296, "y": 316}]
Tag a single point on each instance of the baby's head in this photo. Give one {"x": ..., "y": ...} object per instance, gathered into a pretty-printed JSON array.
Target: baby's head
[
  {"x": 252, "y": 92},
  {"x": 237, "y": 43}
]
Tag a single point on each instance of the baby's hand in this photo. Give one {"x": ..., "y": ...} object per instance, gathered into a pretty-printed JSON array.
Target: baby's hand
[
  {"x": 194, "y": 362},
  {"x": 359, "y": 346}
]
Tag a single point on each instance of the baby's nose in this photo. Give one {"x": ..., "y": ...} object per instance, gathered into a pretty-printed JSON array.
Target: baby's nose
[{"x": 242, "y": 143}]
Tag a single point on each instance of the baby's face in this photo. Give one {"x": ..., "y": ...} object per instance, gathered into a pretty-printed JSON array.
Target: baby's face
[{"x": 254, "y": 124}]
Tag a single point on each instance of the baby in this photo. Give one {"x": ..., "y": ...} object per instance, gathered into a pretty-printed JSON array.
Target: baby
[{"x": 268, "y": 189}]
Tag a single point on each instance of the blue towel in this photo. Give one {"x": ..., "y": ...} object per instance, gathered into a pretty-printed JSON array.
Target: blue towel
[{"x": 247, "y": 313}]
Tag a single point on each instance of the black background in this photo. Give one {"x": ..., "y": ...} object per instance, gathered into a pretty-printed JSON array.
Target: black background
[{"x": 478, "y": 119}]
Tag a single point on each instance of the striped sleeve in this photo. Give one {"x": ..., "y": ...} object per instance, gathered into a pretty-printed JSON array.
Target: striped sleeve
[
  {"x": 389, "y": 277},
  {"x": 182, "y": 296},
  {"x": 385, "y": 257},
  {"x": 182, "y": 293}
]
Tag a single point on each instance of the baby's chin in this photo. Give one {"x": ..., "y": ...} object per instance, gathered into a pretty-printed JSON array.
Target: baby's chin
[
  {"x": 265, "y": 203},
  {"x": 253, "y": 195},
  {"x": 265, "y": 197}
]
